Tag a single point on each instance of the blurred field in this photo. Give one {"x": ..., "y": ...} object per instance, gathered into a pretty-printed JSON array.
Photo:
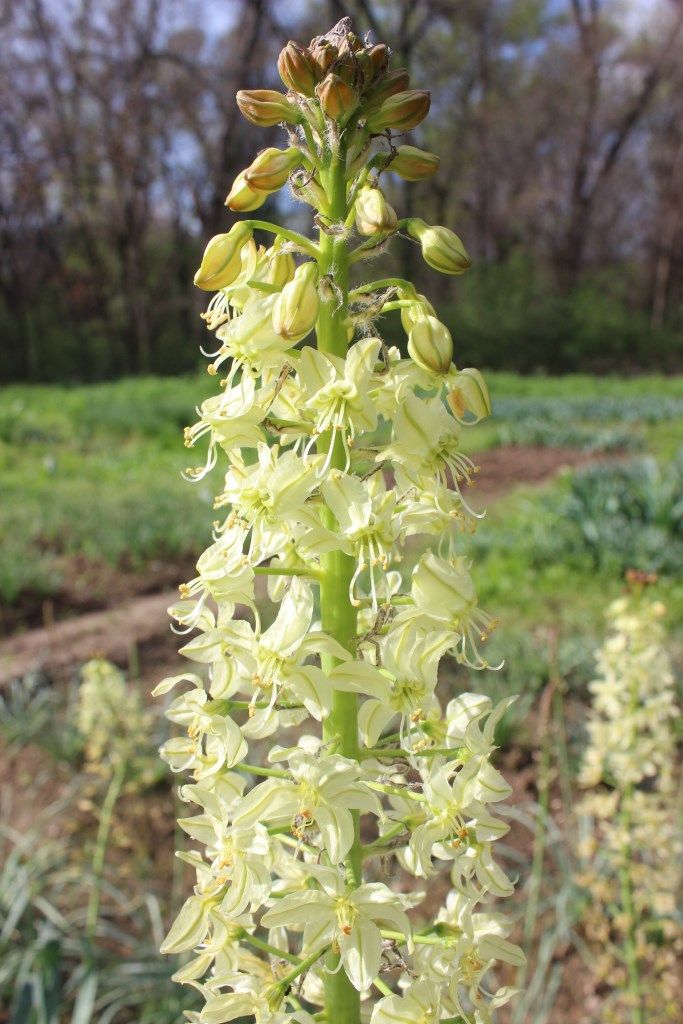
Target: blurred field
[
  {"x": 95, "y": 507},
  {"x": 583, "y": 479}
]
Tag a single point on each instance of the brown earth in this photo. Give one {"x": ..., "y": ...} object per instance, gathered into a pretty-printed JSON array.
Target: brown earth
[
  {"x": 501, "y": 469},
  {"x": 121, "y": 615}
]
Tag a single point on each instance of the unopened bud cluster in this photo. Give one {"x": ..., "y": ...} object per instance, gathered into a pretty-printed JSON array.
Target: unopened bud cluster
[
  {"x": 632, "y": 854},
  {"x": 335, "y": 459}
]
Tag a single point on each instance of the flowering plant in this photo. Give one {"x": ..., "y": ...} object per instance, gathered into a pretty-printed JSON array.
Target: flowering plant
[
  {"x": 632, "y": 854},
  {"x": 336, "y": 455}
]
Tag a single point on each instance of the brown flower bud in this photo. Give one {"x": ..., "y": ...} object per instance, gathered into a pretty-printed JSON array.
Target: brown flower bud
[
  {"x": 323, "y": 53},
  {"x": 374, "y": 215},
  {"x": 346, "y": 68},
  {"x": 337, "y": 98},
  {"x": 413, "y": 164},
  {"x": 354, "y": 68},
  {"x": 388, "y": 85},
  {"x": 265, "y": 107},
  {"x": 298, "y": 70},
  {"x": 379, "y": 58},
  {"x": 351, "y": 43},
  {"x": 242, "y": 198},
  {"x": 271, "y": 168},
  {"x": 401, "y": 112},
  {"x": 222, "y": 259}
]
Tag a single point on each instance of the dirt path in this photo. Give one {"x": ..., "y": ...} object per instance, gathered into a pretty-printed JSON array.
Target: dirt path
[
  {"x": 501, "y": 469},
  {"x": 115, "y": 634},
  {"x": 124, "y": 632}
]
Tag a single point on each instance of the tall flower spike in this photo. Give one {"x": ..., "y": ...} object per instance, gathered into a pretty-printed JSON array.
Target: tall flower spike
[
  {"x": 331, "y": 456},
  {"x": 632, "y": 853}
]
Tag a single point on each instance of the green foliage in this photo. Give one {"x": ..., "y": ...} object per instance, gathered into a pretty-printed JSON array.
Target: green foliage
[
  {"x": 31, "y": 713},
  {"x": 96, "y": 472},
  {"x": 593, "y": 423},
  {"x": 512, "y": 316},
  {"x": 559, "y": 555},
  {"x": 49, "y": 972},
  {"x": 628, "y": 516}
]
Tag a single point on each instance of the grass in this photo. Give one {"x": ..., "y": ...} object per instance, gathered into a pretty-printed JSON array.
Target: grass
[
  {"x": 598, "y": 414},
  {"x": 94, "y": 472}
]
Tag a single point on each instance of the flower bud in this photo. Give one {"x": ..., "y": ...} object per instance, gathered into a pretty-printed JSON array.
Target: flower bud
[
  {"x": 430, "y": 345},
  {"x": 351, "y": 43},
  {"x": 469, "y": 394},
  {"x": 281, "y": 269},
  {"x": 323, "y": 53},
  {"x": 265, "y": 107},
  {"x": 274, "y": 267},
  {"x": 354, "y": 68},
  {"x": 379, "y": 58},
  {"x": 419, "y": 309},
  {"x": 274, "y": 996},
  {"x": 271, "y": 168},
  {"x": 298, "y": 70},
  {"x": 413, "y": 164},
  {"x": 297, "y": 306},
  {"x": 388, "y": 85},
  {"x": 242, "y": 198},
  {"x": 222, "y": 259},
  {"x": 441, "y": 247},
  {"x": 401, "y": 112},
  {"x": 374, "y": 215},
  {"x": 337, "y": 98}
]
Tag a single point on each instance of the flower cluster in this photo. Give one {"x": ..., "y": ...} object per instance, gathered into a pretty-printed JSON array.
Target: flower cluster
[
  {"x": 632, "y": 855},
  {"x": 335, "y": 456},
  {"x": 113, "y": 723}
]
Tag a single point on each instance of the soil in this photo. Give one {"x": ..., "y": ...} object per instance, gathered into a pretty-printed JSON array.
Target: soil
[
  {"x": 501, "y": 469},
  {"x": 89, "y": 585}
]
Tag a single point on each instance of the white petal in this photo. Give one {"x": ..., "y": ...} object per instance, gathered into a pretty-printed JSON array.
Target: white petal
[
  {"x": 361, "y": 953},
  {"x": 373, "y": 718}
]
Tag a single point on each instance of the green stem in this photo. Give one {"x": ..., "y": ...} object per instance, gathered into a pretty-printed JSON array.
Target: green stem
[
  {"x": 448, "y": 752},
  {"x": 405, "y": 794},
  {"x": 263, "y": 286},
  {"x": 292, "y": 236},
  {"x": 381, "y": 844},
  {"x": 256, "y": 769},
  {"x": 422, "y": 940},
  {"x": 100, "y": 852},
  {"x": 338, "y": 615},
  {"x": 276, "y": 570},
  {"x": 384, "y": 989},
  {"x": 301, "y": 968},
  {"x": 244, "y": 705},
  {"x": 265, "y": 947},
  {"x": 385, "y": 282},
  {"x": 397, "y": 304}
]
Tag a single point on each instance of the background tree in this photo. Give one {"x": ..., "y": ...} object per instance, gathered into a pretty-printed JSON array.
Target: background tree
[{"x": 561, "y": 161}]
